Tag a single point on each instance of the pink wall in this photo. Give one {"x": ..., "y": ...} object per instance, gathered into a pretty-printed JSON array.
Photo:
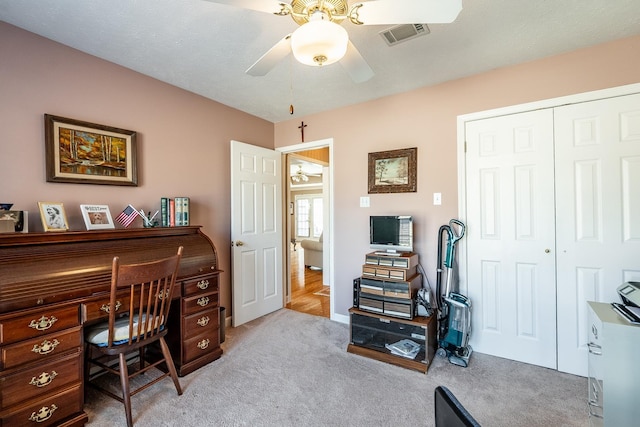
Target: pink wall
[
  {"x": 426, "y": 118},
  {"x": 183, "y": 139},
  {"x": 38, "y": 76}
]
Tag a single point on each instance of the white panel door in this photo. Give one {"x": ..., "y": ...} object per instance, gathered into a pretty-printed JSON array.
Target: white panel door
[
  {"x": 510, "y": 236},
  {"x": 598, "y": 213},
  {"x": 256, "y": 231}
]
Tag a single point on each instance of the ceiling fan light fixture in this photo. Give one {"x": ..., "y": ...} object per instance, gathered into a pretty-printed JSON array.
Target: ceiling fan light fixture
[{"x": 319, "y": 42}]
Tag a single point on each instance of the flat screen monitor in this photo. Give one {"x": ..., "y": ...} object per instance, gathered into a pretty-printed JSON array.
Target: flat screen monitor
[{"x": 391, "y": 234}]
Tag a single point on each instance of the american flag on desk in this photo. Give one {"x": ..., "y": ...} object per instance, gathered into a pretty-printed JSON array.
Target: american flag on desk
[{"x": 127, "y": 216}]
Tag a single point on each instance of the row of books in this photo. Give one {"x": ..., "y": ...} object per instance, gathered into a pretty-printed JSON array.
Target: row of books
[{"x": 174, "y": 212}]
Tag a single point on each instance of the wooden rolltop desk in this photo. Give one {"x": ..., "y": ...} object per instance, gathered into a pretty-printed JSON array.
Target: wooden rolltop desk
[{"x": 51, "y": 284}]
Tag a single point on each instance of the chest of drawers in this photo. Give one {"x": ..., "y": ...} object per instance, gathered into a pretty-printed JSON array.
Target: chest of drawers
[
  {"x": 197, "y": 318},
  {"x": 41, "y": 367},
  {"x": 613, "y": 384}
]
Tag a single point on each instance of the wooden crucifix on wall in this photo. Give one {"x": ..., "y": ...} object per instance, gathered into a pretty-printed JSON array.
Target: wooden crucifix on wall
[{"x": 301, "y": 127}]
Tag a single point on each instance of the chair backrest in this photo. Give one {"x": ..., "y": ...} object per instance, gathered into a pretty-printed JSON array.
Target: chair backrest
[
  {"x": 450, "y": 412},
  {"x": 150, "y": 289}
]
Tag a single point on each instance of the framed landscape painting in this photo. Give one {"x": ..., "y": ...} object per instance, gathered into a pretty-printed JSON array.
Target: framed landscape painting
[
  {"x": 393, "y": 171},
  {"x": 87, "y": 153}
]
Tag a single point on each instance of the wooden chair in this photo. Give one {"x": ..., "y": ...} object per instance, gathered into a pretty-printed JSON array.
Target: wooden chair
[{"x": 150, "y": 287}]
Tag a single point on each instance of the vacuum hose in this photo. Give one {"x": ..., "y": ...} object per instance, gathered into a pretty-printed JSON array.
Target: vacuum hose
[{"x": 439, "y": 295}]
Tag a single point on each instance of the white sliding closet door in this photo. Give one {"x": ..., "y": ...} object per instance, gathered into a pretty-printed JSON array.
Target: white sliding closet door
[
  {"x": 510, "y": 236},
  {"x": 563, "y": 180},
  {"x": 598, "y": 213}
]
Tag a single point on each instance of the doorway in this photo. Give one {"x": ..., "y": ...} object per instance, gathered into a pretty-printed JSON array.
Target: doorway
[{"x": 308, "y": 218}]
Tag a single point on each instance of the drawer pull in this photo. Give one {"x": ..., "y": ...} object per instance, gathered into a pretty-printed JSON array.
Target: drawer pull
[
  {"x": 594, "y": 390},
  {"x": 44, "y": 379},
  {"x": 43, "y": 323},
  {"x": 163, "y": 295},
  {"x": 43, "y": 414},
  {"x": 107, "y": 307},
  {"x": 46, "y": 347},
  {"x": 203, "y": 301},
  {"x": 592, "y": 413},
  {"x": 203, "y": 344},
  {"x": 203, "y": 321},
  {"x": 595, "y": 349},
  {"x": 203, "y": 284}
]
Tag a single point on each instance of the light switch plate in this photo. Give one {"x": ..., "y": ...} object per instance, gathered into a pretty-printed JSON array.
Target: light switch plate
[
  {"x": 365, "y": 202},
  {"x": 437, "y": 198}
]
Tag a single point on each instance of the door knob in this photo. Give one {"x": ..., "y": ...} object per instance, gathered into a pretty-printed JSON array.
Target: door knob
[
  {"x": 239, "y": 243},
  {"x": 546, "y": 251}
]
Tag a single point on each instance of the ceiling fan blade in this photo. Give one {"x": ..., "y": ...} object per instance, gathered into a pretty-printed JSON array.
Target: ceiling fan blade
[
  {"x": 391, "y": 12},
  {"x": 270, "y": 59},
  {"x": 268, "y": 6},
  {"x": 355, "y": 65}
]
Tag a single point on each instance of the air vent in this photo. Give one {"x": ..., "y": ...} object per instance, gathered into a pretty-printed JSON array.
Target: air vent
[{"x": 404, "y": 32}]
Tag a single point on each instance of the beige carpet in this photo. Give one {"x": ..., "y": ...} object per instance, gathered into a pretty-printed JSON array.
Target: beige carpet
[{"x": 292, "y": 369}]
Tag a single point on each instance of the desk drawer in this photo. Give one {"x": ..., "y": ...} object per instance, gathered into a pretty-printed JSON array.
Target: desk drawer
[
  {"x": 596, "y": 404},
  {"x": 199, "y": 322},
  {"x": 41, "y": 322},
  {"x": 200, "y": 285},
  {"x": 40, "y": 348},
  {"x": 198, "y": 303},
  {"x": 200, "y": 345},
  {"x": 99, "y": 307},
  {"x": 40, "y": 379},
  {"x": 48, "y": 411}
]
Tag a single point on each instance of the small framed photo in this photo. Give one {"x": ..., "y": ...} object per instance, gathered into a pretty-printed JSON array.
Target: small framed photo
[
  {"x": 96, "y": 217},
  {"x": 53, "y": 216},
  {"x": 14, "y": 221}
]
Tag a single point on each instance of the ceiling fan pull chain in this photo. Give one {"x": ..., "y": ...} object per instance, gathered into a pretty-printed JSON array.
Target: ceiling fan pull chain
[{"x": 291, "y": 84}]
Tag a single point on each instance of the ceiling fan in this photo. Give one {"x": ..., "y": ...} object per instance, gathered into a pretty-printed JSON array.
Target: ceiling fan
[
  {"x": 321, "y": 40},
  {"x": 301, "y": 176}
]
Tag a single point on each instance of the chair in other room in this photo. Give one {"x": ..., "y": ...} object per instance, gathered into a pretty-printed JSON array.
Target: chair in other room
[
  {"x": 312, "y": 252},
  {"x": 149, "y": 287},
  {"x": 450, "y": 412}
]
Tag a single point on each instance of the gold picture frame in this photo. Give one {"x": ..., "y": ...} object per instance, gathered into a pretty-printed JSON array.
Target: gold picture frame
[
  {"x": 87, "y": 153},
  {"x": 53, "y": 216},
  {"x": 393, "y": 171}
]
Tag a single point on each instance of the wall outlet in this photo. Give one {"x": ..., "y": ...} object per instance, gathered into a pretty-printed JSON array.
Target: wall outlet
[{"x": 437, "y": 198}]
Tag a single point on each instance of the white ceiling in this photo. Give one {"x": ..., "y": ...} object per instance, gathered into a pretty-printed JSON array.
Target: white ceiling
[{"x": 206, "y": 47}]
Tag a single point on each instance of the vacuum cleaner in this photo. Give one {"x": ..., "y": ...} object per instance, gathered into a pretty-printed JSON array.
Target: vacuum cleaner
[{"x": 454, "y": 309}]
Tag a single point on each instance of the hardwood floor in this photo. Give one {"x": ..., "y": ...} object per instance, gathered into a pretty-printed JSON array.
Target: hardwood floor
[{"x": 305, "y": 283}]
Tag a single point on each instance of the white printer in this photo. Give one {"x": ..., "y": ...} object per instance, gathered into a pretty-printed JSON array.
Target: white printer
[{"x": 630, "y": 308}]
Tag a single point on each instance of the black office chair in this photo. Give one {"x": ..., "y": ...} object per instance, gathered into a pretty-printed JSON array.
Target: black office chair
[{"x": 450, "y": 412}]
